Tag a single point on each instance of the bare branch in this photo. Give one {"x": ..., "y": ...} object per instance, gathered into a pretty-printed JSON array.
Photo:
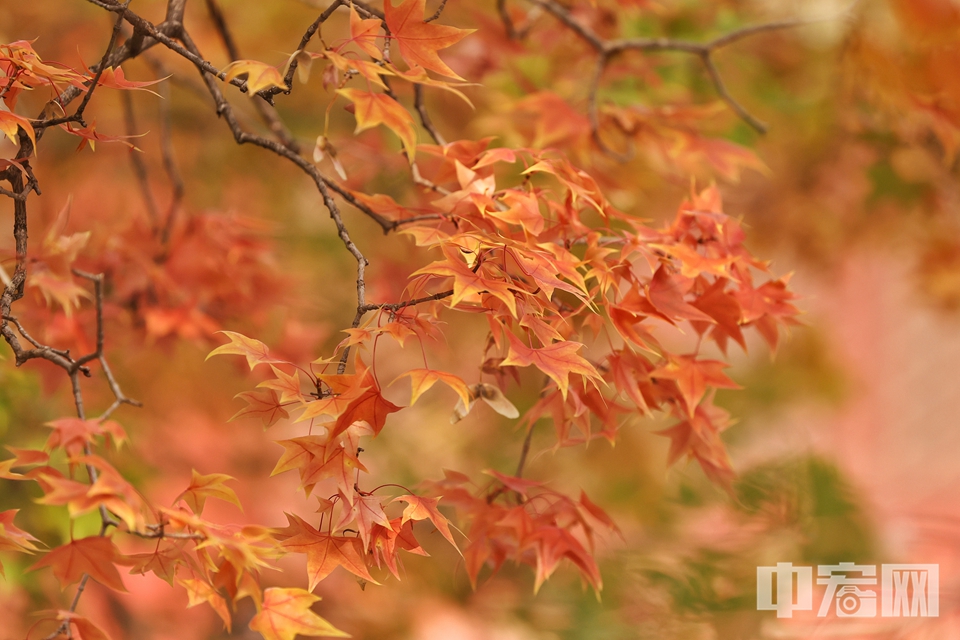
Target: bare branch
[
  {"x": 396, "y": 306},
  {"x": 424, "y": 116},
  {"x": 138, "y": 165},
  {"x": 607, "y": 49},
  {"x": 443, "y": 4},
  {"x": 507, "y": 21},
  {"x": 267, "y": 112},
  {"x": 721, "y": 89}
]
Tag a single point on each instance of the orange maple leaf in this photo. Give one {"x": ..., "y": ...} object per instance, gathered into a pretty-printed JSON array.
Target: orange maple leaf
[
  {"x": 467, "y": 281},
  {"x": 286, "y": 613},
  {"x": 365, "y": 511},
  {"x": 252, "y": 349},
  {"x": 13, "y": 538},
  {"x": 422, "y": 379},
  {"x": 693, "y": 376},
  {"x": 326, "y": 552},
  {"x": 371, "y": 109},
  {"x": 209, "y": 486},
  {"x": 420, "y": 508},
  {"x": 557, "y": 360},
  {"x": 367, "y": 406},
  {"x": 419, "y": 41},
  {"x": 93, "y": 556},
  {"x": 260, "y": 75},
  {"x": 85, "y": 629},
  {"x": 200, "y": 591},
  {"x": 263, "y": 404},
  {"x": 665, "y": 293},
  {"x": 363, "y": 33}
]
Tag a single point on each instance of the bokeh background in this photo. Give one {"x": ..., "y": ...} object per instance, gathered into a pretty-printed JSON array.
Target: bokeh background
[{"x": 847, "y": 441}]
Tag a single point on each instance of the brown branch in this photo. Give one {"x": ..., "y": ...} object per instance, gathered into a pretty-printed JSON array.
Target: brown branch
[
  {"x": 225, "y": 111},
  {"x": 138, "y": 165},
  {"x": 607, "y": 49},
  {"x": 593, "y": 112},
  {"x": 175, "y": 10},
  {"x": 721, "y": 90},
  {"x": 523, "y": 452},
  {"x": 424, "y": 116},
  {"x": 305, "y": 40},
  {"x": 443, "y": 4},
  {"x": 560, "y": 12},
  {"x": 397, "y": 306},
  {"x": 78, "y": 114},
  {"x": 507, "y": 21},
  {"x": 267, "y": 112},
  {"x": 169, "y": 165}
]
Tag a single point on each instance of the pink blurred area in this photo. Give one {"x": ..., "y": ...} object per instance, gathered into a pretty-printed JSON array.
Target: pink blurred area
[{"x": 896, "y": 437}]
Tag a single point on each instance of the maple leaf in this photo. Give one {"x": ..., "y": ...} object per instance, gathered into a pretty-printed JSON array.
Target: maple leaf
[
  {"x": 523, "y": 209},
  {"x": 85, "y": 629},
  {"x": 665, "y": 293},
  {"x": 263, "y": 404},
  {"x": 162, "y": 562},
  {"x": 208, "y": 486},
  {"x": 114, "y": 78},
  {"x": 369, "y": 70},
  {"x": 368, "y": 405},
  {"x": 699, "y": 437},
  {"x": 12, "y": 538},
  {"x": 420, "y": 508},
  {"x": 340, "y": 466},
  {"x": 252, "y": 349},
  {"x": 423, "y": 379},
  {"x": 90, "y": 136},
  {"x": 557, "y": 360},
  {"x": 693, "y": 376},
  {"x": 693, "y": 263},
  {"x": 363, "y": 33},
  {"x": 386, "y": 541},
  {"x": 332, "y": 406},
  {"x": 417, "y": 75},
  {"x": 63, "y": 291},
  {"x": 260, "y": 75},
  {"x": 28, "y": 457},
  {"x": 73, "y": 434},
  {"x": 298, "y": 453},
  {"x": 467, "y": 281},
  {"x": 725, "y": 310},
  {"x": 552, "y": 545},
  {"x": 93, "y": 556},
  {"x": 285, "y": 613},
  {"x": 364, "y": 511},
  {"x": 371, "y": 109},
  {"x": 557, "y": 124},
  {"x": 519, "y": 485},
  {"x": 419, "y": 41},
  {"x": 10, "y": 122},
  {"x": 596, "y": 512},
  {"x": 288, "y": 385},
  {"x": 326, "y": 552},
  {"x": 200, "y": 591},
  {"x": 317, "y": 458}
]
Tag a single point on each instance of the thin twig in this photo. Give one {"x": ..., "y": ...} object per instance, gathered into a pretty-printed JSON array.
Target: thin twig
[
  {"x": 138, "y": 165},
  {"x": 443, "y": 4},
  {"x": 396, "y": 306},
  {"x": 424, "y": 116}
]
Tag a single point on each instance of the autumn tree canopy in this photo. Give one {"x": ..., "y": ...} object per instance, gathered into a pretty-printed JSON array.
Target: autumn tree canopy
[{"x": 350, "y": 202}]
